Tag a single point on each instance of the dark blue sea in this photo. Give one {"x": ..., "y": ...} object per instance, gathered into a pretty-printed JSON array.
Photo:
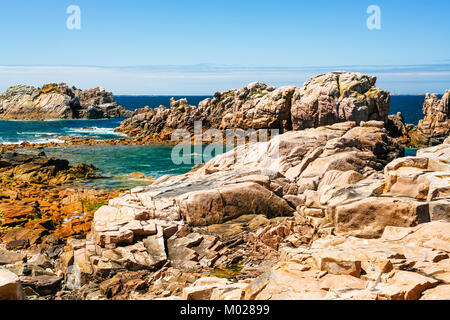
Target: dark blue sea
[
  {"x": 409, "y": 106},
  {"x": 116, "y": 162}
]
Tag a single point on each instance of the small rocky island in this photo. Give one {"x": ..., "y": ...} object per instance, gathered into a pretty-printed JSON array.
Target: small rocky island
[
  {"x": 329, "y": 209},
  {"x": 58, "y": 101}
]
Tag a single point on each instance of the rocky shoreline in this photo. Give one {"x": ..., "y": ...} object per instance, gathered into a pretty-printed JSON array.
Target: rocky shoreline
[
  {"x": 32, "y": 189},
  {"x": 328, "y": 209},
  {"x": 340, "y": 218},
  {"x": 38, "y": 212},
  {"x": 323, "y": 100}
]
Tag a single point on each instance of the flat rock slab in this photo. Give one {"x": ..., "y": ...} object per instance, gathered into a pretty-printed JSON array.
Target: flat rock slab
[{"x": 10, "y": 257}]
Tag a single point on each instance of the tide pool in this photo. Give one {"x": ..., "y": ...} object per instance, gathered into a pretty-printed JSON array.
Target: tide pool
[{"x": 116, "y": 162}]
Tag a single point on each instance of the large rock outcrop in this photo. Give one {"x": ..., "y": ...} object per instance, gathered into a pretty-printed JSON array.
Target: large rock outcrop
[
  {"x": 435, "y": 126},
  {"x": 398, "y": 129},
  {"x": 336, "y": 97},
  {"x": 413, "y": 190},
  {"x": 58, "y": 101},
  {"x": 324, "y": 100}
]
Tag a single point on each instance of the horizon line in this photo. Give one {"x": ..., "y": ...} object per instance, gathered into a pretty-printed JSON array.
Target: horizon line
[{"x": 206, "y": 79}]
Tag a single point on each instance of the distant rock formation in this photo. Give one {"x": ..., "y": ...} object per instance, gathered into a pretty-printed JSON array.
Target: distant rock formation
[
  {"x": 435, "y": 127},
  {"x": 58, "y": 101},
  {"x": 324, "y": 100}
]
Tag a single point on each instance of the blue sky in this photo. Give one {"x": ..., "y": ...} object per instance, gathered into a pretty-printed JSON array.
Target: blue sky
[{"x": 198, "y": 47}]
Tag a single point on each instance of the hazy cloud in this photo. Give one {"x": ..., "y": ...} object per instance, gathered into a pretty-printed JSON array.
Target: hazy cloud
[{"x": 206, "y": 79}]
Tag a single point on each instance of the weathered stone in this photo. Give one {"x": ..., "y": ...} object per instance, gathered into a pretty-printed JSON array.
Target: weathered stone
[
  {"x": 440, "y": 210},
  {"x": 337, "y": 263},
  {"x": 286, "y": 281},
  {"x": 231, "y": 292},
  {"x": 55, "y": 251},
  {"x": 342, "y": 282},
  {"x": 435, "y": 127},
  {"x": 404, "y": 285},
  {"x": 17, "y": 244},
  {"x": 10, "y": 287},
  {"x": 229, "y": 202},
  {"x": 156, "y": 248},
  {"x": 424, "y": 178},
  {"x": 40, "y": 261},
  {"x": 441, "y": 292},
  {"x": 133, "y": 257},
  {"x": 368, "y": 217},
  {"x": 338, "y": 96},
  {"x": 203, "y": 288},
  {"x": 10, "y": 257}
]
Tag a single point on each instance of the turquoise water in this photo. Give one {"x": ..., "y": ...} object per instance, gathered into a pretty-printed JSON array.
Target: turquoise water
[
  {"x": 16, "y": 132},
  {"x": 116, "y": 162},
  {"x": 409, "y": 152}
]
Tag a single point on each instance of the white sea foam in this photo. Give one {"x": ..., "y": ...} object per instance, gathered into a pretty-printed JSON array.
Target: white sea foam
[
  {"x": 95, "y": 131},
  {"x": 37, "y": 141},
  {"x": 80, "y": 216},
  {"x": 37, "y": 134}
]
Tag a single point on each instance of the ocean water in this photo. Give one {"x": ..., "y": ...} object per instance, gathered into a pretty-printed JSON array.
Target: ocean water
[
  {"x": 16, "y": 132},
  {"x": 409, "y": 106},
  {"x": 116, "y": 162}
]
